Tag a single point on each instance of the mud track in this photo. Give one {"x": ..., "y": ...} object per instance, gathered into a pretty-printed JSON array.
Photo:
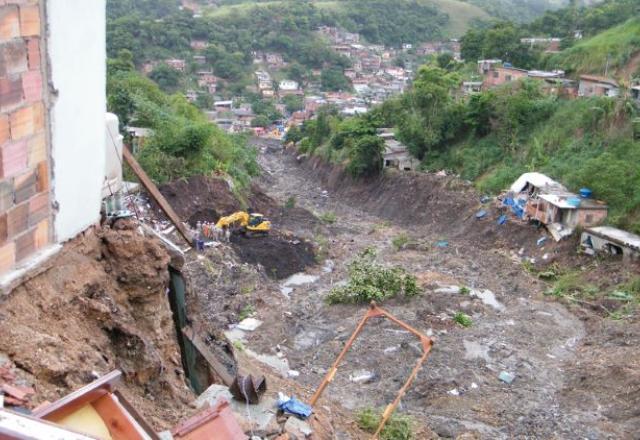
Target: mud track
[{"x": 541, "y": 342}]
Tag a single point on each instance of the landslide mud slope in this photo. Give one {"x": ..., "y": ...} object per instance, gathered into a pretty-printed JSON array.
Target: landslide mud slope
[
  {"x": 560, "y": 357},
  {"x": 100, "y": 306}
]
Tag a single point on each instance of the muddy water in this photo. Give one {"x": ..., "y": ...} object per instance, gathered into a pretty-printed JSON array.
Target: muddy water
[{"x": 514, "y": 330}]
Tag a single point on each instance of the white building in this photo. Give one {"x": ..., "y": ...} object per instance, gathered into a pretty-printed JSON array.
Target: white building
[{"x": 288, "y": 85}]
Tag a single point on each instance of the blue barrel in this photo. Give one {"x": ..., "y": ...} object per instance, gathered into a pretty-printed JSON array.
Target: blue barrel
[{"x": 585, "y": 193}]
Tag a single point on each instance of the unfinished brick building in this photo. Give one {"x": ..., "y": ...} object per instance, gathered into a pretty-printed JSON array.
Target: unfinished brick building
[{"x": 51, "y": 58}]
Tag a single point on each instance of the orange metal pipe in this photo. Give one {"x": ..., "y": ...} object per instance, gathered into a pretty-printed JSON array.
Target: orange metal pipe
[{"x": 375, "y": 311}]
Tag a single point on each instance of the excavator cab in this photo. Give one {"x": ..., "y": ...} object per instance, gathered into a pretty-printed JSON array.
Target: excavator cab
[{"x": 258, "y": 224}]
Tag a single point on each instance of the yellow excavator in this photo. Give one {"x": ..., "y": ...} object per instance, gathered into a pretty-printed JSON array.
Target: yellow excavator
[{"x": 245, "y": 223}]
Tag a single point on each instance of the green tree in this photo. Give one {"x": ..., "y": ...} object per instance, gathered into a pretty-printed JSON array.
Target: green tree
[
  {"x": 333, "y": 80},
  {"x": 166, "y": 77},
  {"x": 365, "y": 157},
  {"x": 293, "y": 103}
]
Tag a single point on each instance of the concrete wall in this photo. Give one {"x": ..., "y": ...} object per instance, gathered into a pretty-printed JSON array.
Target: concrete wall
[
  {"x": 602, "y": 246},
  {"x": 77, "y": 52}
]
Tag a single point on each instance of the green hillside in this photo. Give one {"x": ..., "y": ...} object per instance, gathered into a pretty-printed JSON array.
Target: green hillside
[
  {"x": 461, "y": 14},
  {"x": 619, "y": 45}
]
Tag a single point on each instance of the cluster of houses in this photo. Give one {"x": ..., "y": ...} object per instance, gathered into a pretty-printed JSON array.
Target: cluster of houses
[{"x": 494, "y": 73}]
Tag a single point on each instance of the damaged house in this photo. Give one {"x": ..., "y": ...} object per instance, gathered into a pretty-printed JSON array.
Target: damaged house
[
  {"x": 536, "y": 197},
  {"x": 611, "y": 241},
  {"x": 396, "y": 155}
]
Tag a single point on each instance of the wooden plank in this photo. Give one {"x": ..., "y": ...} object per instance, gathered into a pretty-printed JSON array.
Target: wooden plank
[
  {"x": 79, "y": 398},
  {"x": 119, "y": 424},
  {"x": 136, "y": 415},
  {"x": 157, "y": 196},
  {"x": 214, "y": 363}
]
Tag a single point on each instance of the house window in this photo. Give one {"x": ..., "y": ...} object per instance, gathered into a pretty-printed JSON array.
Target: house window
[
  {"x": 508, "y": 77},
  {"x": 496, "y": 74},
  {"x": 589, "y": 218}
]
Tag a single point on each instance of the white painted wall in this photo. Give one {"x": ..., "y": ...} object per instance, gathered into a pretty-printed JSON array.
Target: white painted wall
[{"x": 77, "y": 52}]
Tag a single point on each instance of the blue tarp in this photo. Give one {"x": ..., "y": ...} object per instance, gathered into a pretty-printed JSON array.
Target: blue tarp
[
  {"x": 517, "y": 206},
  {"x": 295, "y": 407},
  {"x": 502, "y": 220}
]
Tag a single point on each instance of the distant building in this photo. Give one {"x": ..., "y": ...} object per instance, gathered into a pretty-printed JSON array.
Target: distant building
[
  {"x": 200, "y": 60},
  {"x": 503, "y": 74},
  {"x": 484, "y": 66},
  {"x": 288, "y": 85},
  {"x": 635, "y": 93},
  {"x": 550, "y": 45},
  {"x": 177, "y": 64},
  {"x": 396, "y": 155},
  {"x": 591, "y": 85},
  {"x": 199, "y": 44},
  {"x": 471, "y": 87},
  {"x": 222, "y": 106}
]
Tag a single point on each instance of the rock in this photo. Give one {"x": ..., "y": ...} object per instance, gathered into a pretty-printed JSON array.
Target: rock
[
  {"x": 362, "y": 376},
  {"x": 455, "y": 290},
  {"x": 249, "y": 324},
  {"x": 297, "y": 427}
]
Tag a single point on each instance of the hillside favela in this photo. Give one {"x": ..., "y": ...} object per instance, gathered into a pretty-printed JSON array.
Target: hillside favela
[{"x": 319, "y": 219}]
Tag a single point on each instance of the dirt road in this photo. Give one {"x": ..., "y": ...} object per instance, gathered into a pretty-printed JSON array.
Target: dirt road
[{"x": 515, "y": 330}]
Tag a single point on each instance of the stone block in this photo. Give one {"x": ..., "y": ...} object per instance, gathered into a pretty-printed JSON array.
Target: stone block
[
  {"x": 23, "y": 122},
  {"x": 38, "y": 209},
  {"x": 24, "y": 186}
]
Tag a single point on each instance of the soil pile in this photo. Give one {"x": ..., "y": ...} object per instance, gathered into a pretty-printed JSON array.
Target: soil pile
[
  {"x": 200, "y": 198},
  {"x": 280, "y": 256},
  {"x": 101, "y": 306}
]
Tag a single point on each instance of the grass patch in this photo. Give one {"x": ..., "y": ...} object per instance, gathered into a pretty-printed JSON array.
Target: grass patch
[
  {"x": 369, "y": 281},
  {"x": 398, "y": 427},
  {"x": 238, "y": 345},
  {"x": 328, "y": 217},
  {"x": 246, "y": 312},
  {"x": 572, "y": 285},
  {"x": 400, "y": 241},
  {"x": 463, "y": 319},
  {"x": 290, "y": 203},
  {"x": 464, "y": 290}
]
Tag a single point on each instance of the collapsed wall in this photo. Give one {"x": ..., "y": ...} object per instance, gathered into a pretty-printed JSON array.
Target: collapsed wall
[{"x": 100, "y": 305}]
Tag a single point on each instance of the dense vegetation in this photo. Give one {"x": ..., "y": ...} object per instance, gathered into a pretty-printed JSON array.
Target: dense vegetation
[
  {"x": 495, "y": 136},
  {"x": 183, "y": 143},
  {"x": 502, "y": 40}
]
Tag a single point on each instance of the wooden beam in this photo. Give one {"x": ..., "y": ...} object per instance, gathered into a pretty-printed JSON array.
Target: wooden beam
[
  {"x": 203, "y": 349},
  {"x": 157, "y": 196}
]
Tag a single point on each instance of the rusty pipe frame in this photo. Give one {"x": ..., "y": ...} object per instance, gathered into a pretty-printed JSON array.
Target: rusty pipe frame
[{"x": 374, "y": 312}]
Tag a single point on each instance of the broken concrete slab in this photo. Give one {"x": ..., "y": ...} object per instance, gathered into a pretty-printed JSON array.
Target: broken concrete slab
[{"x": 260, "y": 418}]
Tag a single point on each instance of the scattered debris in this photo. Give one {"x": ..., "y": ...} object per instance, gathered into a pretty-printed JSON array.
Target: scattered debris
[
  {"x": 506, "y": 377},
  {"x": 297, "y": 427},
  {"x": 454, "y": 392},
  {"x": 541, "y": 241},
  {"x": 362, "y": 376},
  {"x": 481, "y": 214},
  {"x": 442, "y": 244},
  {"x": 291, "y": 405},
  {"x": 212, "y": 423},
  {"x": 249, "y": 324},
  {"x": 248, "y": 389}
]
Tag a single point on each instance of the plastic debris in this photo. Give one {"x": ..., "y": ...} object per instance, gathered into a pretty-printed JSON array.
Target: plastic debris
[
  {"x": 362, "y": 376},
  {"x": 506, "y": 377},
  {"x": 485, "y": 199},
  {"x": 249, "y": 324},
  {"x": 502, "y": 219},
  {"x": 442, "y": 244},
  {"x": 541, "y": 241},
  {"x": 454, "y": 392},
  {"x": 291, "y": 405},
  {"x": 481, "y": 214}
]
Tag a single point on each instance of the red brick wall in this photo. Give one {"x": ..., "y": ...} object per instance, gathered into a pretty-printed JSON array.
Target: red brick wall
[{"x": 25, "y": 208}]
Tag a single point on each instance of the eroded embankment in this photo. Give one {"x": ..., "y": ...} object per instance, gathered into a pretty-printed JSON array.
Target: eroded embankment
[{"x": 100, "y": 306}]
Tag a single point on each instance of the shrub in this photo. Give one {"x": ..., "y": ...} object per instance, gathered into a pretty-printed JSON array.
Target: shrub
[
  {"x": 369, "y": 281},
  {"x": 328, "y": 217},
  {"x": 463, "y": 319},
  {"x": 400, "y": 241},
  {"x": 398, "y": 427},
  {"x": 290, "y": 203},
  {"x": 246, "y": 311}
]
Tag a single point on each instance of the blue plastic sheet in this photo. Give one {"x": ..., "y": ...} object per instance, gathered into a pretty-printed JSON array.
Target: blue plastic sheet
[
  {"x": 502, "y": 220},
  {"x": 295, "y": 407}
]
